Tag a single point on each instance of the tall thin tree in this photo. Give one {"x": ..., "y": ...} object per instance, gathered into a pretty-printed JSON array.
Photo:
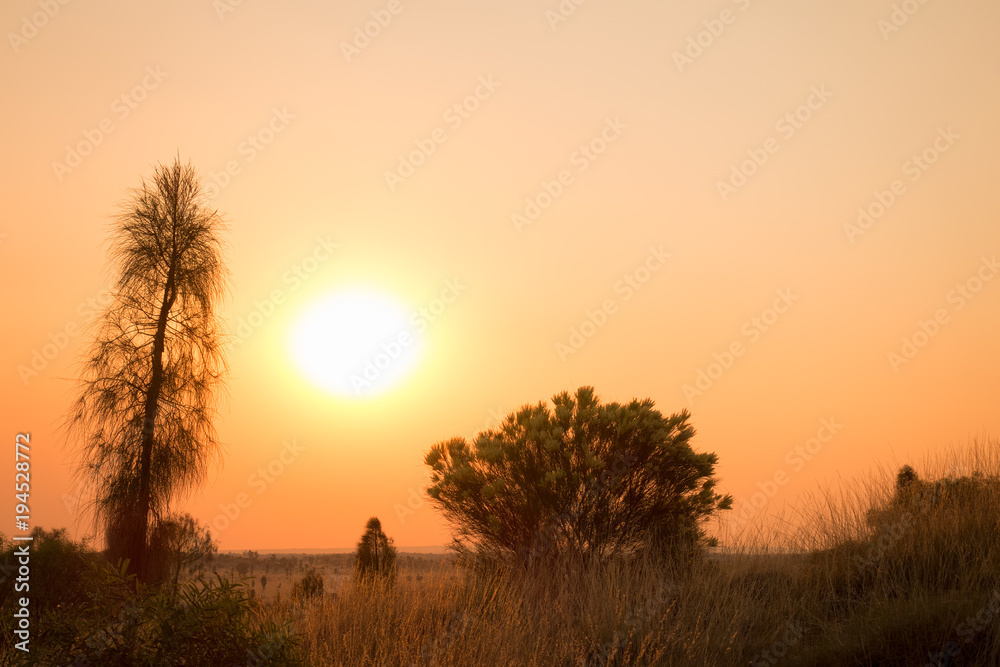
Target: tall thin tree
[{"x": 143, "y": 418}]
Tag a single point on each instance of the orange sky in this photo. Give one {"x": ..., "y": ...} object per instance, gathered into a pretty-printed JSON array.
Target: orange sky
[{"x": 697, "y": 169}]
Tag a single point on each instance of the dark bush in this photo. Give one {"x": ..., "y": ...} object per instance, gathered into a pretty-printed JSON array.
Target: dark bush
[
  {"x": 579, "y": 480},
  {"x": 101, "y": 617},
  {"x": 308, "y": 587},
  {"x": 58, "y": 569}
]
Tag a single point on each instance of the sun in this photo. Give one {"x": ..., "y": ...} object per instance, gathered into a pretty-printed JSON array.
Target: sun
[{"x": 355, "y": 343}]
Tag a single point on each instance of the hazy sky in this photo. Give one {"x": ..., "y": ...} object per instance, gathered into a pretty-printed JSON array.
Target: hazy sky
[{"x": 779, "y": 215}]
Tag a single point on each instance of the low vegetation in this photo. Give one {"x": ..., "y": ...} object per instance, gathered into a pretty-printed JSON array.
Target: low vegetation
[
  {"x": 904, "y": 570},
  {"x": 87, "y": 613},
  {"x": 583, "y": 540},
  {"x": 887, "y": 574}
]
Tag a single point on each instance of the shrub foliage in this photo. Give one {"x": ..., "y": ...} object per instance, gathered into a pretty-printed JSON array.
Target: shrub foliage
[{"x": 580, "y": 479}]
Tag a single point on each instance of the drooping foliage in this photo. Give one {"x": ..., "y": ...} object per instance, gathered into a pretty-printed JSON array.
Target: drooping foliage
[{"x": 143, "y": 421}]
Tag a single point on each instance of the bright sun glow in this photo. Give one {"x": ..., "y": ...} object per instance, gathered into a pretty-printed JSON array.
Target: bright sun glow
[{"x": 355, "y": 343}]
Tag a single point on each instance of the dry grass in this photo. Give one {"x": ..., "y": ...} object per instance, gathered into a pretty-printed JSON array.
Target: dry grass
[{"x": 876, "y": 583}]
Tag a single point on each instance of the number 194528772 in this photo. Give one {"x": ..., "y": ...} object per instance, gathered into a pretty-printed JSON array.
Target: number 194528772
[{"x": 22, "y": 480}]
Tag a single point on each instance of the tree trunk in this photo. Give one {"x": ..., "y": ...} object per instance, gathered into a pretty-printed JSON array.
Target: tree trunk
[
  {"x": 148, "y": 429},
  {"x": 177, "y": 569}
]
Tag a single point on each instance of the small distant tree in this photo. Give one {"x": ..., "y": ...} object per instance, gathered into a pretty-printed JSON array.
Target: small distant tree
[
  {"x": 310, "y": 586},
  {"x": 376, "y": 554},
  {"x": 180, "y": 542},
  {"x": 581, "y": 479},
  {"x": 906, "y": 479},
  {"x": 263, "y": 583}
]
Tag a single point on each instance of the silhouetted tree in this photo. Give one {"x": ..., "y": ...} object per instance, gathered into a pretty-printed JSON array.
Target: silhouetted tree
[
  {"x": 584, "y": 480},
  {"x": 143, "y": 419},
  {"x": 310, "y": 586},
  {"x": 906, "y": 478},
  {"x": 376, "y": 554}
]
